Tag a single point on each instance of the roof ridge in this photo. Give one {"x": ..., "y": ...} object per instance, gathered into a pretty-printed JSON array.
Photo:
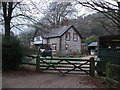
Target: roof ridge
[{"x": 57, "y": 32}]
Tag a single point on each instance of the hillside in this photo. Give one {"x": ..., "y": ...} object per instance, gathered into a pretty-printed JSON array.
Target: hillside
[{"x": 91, "y": 25}]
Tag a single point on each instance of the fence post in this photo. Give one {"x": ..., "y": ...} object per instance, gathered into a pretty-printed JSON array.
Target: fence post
[
  {"x": 37, "y": 63},
  {"x": 92, "y": 67},
  {"x": 108, "y": 75}
]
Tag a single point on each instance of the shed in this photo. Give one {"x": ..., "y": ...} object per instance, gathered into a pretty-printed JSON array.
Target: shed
[{"x": 92, "y": 47}]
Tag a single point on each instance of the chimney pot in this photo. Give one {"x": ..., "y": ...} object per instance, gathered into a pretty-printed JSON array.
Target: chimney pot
[{"x": 53, "y": 25}]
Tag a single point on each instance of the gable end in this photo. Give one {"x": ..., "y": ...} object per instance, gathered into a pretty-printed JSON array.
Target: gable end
[{"x": 74, "y": 29}]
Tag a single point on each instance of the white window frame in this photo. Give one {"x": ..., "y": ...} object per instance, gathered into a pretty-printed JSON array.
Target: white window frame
[
  {"x": 67, "y": 36},
  {"x": 75, "y": 36},
  {"x": 54, "y": 47},
  {"x": 66, "y": 47}
]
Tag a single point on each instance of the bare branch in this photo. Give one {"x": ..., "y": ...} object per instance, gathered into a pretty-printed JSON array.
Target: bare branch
[
  {"x": 23, "y": 15},
  {"x": 4, "y": 9},
  {"x": 109, "y": 10},
  {"x": 17, "y": 3},
  {"x": 19, "y": 28},
  {"x": 16, "y": 25}
]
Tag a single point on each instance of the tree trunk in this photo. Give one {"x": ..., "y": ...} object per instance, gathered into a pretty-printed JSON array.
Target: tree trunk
[
  {"x": 7, "y": 27},
  {"x": 118, "y": 17},
  {"x": 7, "y": 14}
]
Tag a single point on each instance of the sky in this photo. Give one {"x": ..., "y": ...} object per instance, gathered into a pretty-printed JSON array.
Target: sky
[
  {"x": 81, "y": 10},
  {"x": 41, "y": 5}
]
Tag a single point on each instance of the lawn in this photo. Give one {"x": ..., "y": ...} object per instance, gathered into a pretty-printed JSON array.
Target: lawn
[{"x": 30, "y": 60}]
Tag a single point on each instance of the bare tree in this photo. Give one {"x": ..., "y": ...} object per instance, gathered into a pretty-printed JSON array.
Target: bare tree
[
  {"x": 57, "y": 11},
  {"x": 7, "y": 14},
  {"x": 110, "y": 10},
  {"x": 16, "y": 14}
]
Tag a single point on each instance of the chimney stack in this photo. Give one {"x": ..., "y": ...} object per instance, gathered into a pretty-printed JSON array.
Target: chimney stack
[
  {"x": 65, "y": 22},
  {"x": 53, "y": 25}
]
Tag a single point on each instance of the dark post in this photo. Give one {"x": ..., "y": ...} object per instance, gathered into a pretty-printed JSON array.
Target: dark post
[
  {"x": 92, "y": 67},
  {"x": 118, "y": 17},
  {"x": 37, "y": 63},
  {"x": 108, "y": 75}
]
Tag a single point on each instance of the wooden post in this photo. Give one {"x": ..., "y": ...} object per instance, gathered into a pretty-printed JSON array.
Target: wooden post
[
  {"x": 108, "y": 75},
  {"x": 92, "y": 67},
  {"x": 37, "y": 63}
]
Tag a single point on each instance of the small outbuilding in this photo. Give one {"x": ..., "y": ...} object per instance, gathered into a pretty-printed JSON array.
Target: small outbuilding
[{"x": 92, "y": 48}]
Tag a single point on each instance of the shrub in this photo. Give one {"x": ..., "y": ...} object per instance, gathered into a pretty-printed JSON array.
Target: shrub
[
  {"x": 12, "y": 53},
  {"x": 84, "y": 51},
  {"x": 90, "y": 39},
  {"x": 29, "y": 51}
]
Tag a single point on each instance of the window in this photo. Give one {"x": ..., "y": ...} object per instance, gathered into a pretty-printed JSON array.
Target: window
[
  {"x": 54, "y": 47},
  {"x": 48, "y": 41},
  {"x": 66, "y": 47},
  {"x": 67, "y": 36},
  {"x": 38, "y": 38},
  {"x": 75, "y": 38}
]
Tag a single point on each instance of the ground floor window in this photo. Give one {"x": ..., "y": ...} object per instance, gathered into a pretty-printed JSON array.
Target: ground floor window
[
  {"x": 66, "y": 47},
  {"x": 54, "y": 47}
]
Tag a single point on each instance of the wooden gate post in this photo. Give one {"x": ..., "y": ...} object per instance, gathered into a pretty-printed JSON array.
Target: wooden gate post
[
  {"x": 37, "y": 63},
  {"x": 108, "y": 74},
  {"x": 92, "y": 67}
]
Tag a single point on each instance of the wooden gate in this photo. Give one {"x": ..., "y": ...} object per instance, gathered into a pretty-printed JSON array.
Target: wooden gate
[{"x": 64, "y": 66}]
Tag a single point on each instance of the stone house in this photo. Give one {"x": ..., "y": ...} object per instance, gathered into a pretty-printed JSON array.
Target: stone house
[{"x": 63, "y": 40}]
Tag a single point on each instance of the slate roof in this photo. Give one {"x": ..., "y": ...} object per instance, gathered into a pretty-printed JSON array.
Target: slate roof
[
  {"x": 93, "y": 44},
  {"x": 59, "y": 32}
]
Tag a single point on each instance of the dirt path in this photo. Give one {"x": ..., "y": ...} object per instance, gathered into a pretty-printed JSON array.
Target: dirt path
[{"x": 31, "y": 79}]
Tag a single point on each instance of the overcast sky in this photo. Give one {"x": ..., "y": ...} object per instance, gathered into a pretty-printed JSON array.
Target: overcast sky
[
  {"x": 44, "y": 3},
  {"x": 41, "y": 5},
  {"x": 81, "y": 10}
]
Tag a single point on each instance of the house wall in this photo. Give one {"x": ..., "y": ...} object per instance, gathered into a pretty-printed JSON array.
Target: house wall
[
  {"x": 54, "y": 41},
  {"x": 44, "y": 41},
  {"x": 61, "y": 42},
  {"x": 73, "y": 46},
  {"x": 39, "y": 40}
]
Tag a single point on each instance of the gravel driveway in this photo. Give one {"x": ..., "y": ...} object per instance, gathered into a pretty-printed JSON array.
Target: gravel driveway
[{"x": 31, "y": 79}]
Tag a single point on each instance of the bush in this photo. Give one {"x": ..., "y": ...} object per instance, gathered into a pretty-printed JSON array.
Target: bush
[
  {"x": 90, "y": 39},
  {"x": 29, "y": 51},
  {"x": 12, "y": 53}
]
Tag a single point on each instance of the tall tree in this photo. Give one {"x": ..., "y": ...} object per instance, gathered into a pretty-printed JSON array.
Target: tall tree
[
  {"x": 57, "y": 11},
  {"x": 17, "y": 14},
  {"x": 110, "y": 9},
  {"x": 7, "y": 14}
]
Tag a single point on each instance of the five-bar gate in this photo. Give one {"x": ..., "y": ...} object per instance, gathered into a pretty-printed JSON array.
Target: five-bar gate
[{"x": 64, "y": 66}]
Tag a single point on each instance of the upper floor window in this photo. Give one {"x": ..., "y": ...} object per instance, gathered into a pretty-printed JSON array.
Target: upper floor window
[
  {"x": 75, "y": 36},
  {"x": 67, "y": 36}
]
